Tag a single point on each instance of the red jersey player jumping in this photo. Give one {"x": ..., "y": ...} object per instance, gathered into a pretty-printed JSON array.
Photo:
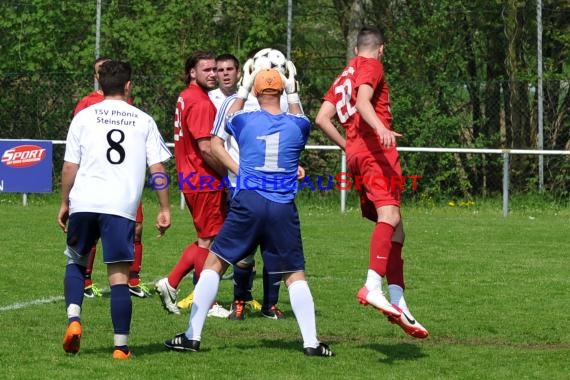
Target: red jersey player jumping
[
  {"x": 360, "y": 98},
  {"x": 135, "y": 286}
]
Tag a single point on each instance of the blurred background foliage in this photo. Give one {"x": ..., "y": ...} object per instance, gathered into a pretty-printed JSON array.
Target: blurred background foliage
[{"x": 461, "y": 73}]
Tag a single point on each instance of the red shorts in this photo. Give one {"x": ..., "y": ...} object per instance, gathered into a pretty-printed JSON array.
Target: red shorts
[
  {"x": 139, "y": 217},
  {"x": 381, "y": 175},
  {"x": 208, "y": 211}
]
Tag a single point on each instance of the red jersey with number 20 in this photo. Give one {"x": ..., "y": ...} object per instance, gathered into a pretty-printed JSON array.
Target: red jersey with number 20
[
  {"x": 195, "y": 115},
  {"x": 359, "y": 135}
]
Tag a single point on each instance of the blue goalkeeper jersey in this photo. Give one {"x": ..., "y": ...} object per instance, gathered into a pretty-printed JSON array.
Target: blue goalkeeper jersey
[{"x": 270, "y": 146}]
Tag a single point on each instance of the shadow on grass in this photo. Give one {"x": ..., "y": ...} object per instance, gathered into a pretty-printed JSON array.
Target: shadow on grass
[
  {"x": 397, "y": 352},
  {"x": 141, "y": 350}
]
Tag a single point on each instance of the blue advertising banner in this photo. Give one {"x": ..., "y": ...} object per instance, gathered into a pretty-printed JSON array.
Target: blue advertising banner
[{"x": 26, "y": 166}]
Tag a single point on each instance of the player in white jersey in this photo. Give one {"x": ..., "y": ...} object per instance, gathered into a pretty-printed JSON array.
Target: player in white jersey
[
  {"x": 108, "y": 148},
  {"x": 227, "y": 74}
]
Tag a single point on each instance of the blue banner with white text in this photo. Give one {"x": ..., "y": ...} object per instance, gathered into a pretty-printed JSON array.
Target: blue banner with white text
[{"x": 26, "y": 166}]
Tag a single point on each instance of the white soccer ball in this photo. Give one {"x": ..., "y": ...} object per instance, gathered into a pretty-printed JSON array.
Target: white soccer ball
[{"x": 269, "y": 59}]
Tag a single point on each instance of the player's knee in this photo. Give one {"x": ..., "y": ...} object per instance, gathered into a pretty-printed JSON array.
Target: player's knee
[
  {"x": 390, "y": 215},
  {"x": 291, "y": 278},
  {"x": 248, "y": 262},
  {"x": 75, "y": 258}
]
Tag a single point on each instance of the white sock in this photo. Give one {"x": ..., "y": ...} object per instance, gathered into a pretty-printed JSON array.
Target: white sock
[
  {"x": 73, "y": 310},
  {"x": 204, "y": 296},
  {"x": 304, "y": 309},
  {"x": 121, "y": 340},
  {"x": 373, "y": 280},
  {"x": 397, "y": 296}
]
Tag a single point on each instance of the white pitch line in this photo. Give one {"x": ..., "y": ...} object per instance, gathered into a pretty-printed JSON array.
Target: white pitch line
[{"x": 22, "y": 305}]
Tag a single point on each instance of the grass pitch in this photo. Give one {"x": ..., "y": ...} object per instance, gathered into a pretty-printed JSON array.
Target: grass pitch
[{"x": 492, "y": 291}]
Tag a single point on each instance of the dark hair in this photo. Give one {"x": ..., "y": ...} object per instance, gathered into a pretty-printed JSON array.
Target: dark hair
[
  {"x": 193, "y": 60},
  {"x": 228, "y": 57},
  {"x": 99, "y": 60},
  {"x": 113, "y": 75},
  {"x": 369, "y": 36}
]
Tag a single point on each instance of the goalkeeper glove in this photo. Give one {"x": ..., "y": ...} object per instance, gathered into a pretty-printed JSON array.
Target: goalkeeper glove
[
  {"x": 290, "y": 84},
  {"x": 246, "y": 80}
]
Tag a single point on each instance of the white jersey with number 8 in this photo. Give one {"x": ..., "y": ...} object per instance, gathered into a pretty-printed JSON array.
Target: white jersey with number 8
[{"x": 112, "y": 142}]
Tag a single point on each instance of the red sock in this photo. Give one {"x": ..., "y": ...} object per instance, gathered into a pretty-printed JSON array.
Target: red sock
[
  {"x": 395, "y": 269},
  {"x": 89, "y": 269},
  {"x": 380, "y": 247},
  {"x": 192, "y": 257},
  {"x": 134, "y": 273},
  {"x": 199, "y": 262}
]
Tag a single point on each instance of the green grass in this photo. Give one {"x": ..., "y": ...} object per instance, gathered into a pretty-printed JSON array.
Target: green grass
[{"x": 493, "y": 292}]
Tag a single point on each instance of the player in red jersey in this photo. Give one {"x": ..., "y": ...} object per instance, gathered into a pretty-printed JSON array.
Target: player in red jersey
[
  {"x": 360, "y": 98},
  {"x": 135, "y": 286},
  {"x": 199, "y": 174}
]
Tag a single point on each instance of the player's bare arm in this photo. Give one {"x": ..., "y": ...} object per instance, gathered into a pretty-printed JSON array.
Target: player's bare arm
[
  {"x": 163, "y": 217},
  {"x": 221, "y": 154},
  {"x": 300, "y": 172},
  {"x": 237, "y": 105},
  {"x": 324, "y": 121},
  {"x": 68, "y": 174},
  {"x": 205, "y": 147},
  {"x": 295, "y": 108},
  {"x": 366, "y": 110}
]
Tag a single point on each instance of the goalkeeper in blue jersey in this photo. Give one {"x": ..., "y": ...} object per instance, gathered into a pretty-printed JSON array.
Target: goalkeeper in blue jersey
[{"x": 262, "y": 210}]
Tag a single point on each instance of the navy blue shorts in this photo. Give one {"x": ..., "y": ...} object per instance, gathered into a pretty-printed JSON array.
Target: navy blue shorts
[
  {"x": 116, "y": 233},
  {"x": 254, "y": 220}
]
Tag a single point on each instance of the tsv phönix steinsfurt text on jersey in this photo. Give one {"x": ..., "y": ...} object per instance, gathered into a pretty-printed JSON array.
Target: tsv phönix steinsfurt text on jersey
[{"x": 115, "y": 117}]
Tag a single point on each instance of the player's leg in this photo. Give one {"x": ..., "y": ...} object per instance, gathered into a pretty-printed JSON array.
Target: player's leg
[
  {"x": 396, "y": 286},
  {"x": 167, "y": 287},
  {"x": 117, "y": 238},
  {"x": 377, "y": 200},
  {"x": 90, "y": 289},
  {"x": 235, "y": 239},
  {"x": 243, "y": 273},
  {"x": 216, "y": 309},
  {"x": 304, "y": 309},
  {"x": 380, "y": 247},
  {"x": 204, "y": 295},
  {"x": 282, "y": 251},
  {"x": 271, "y": 286},
  {"x": 82, "y": 234},
  {"x": 208, "y": 211},
  {"x": 135, "y": 286}
]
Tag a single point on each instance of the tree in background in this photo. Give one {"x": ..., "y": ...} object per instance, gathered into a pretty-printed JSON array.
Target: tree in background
[{"x": 461, "y": 73}]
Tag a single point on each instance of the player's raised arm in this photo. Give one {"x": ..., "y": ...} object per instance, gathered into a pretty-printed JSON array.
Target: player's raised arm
[
  {"x": 245, "y": 88},
  {"x": 292, "y": 89}
]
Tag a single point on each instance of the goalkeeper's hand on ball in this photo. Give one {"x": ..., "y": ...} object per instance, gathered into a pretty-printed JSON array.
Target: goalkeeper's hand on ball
[
  {"x": 247, "y": 79},
  {"x": 290, "y": 83}
]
